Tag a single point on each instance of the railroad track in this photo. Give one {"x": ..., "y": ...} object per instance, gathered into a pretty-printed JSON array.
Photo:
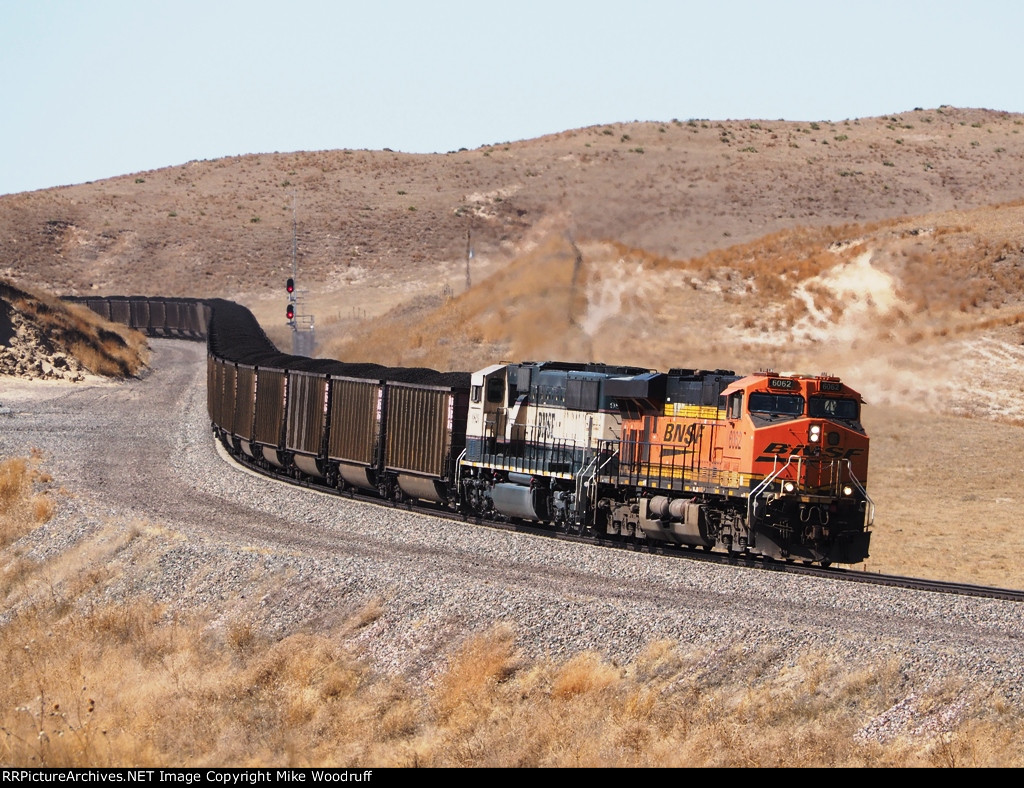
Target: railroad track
[
  {"x": 187, "y": 318},
  {"x": 672, "y": 551}
]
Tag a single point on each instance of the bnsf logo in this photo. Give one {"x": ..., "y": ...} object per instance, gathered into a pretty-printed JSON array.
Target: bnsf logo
[
  {"x": 773, "y": 450},
  {"x": 683, "y": 433}
]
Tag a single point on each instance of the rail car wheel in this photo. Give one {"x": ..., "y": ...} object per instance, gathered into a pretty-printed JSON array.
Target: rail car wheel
[{"x": 825, "y": 563}]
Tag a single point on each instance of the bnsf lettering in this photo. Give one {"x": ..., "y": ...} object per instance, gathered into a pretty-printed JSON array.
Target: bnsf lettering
[
  {"x": 685, "y": 434},
  {"x": 545, "y": 426},
  {"x": 773, "y": 450}
]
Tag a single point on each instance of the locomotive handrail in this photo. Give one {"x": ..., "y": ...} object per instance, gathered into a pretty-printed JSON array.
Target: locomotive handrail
[
  {"x": 592, "y": 488},
  {"x": 869, "y": 514},
  {"x": 458, "y": 475},
  {"x": 592, "y": 469},
  {"x": 771, "y": 477}
]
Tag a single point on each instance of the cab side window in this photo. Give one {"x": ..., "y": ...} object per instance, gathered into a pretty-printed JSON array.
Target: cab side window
[
  {"x": 495, "y": 389},
  {"x": 736, "y": 405}
]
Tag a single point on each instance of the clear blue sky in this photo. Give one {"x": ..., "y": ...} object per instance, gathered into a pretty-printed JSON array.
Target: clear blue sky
[{"x": 90, "y": 89}]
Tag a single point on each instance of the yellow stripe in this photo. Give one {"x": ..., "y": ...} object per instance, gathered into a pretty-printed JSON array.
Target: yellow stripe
[{"x": 681, "y": 409}]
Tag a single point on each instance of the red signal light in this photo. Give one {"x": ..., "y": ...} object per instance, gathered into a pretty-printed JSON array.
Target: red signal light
[
  {"x": 290, "y": 285},
  {"x": 290, "y": 312}
]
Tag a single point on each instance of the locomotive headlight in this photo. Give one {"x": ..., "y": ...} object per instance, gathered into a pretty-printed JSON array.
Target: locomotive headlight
[
  {"x": 815, "y": 433},
  {"x": 789, "y": 487},
  {"x": 847, "y": 490}
]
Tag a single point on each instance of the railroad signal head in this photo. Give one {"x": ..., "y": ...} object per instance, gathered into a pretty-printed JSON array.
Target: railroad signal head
[
  {"x": 290, "y": 312},
  {"x": 290, "y": 285}
]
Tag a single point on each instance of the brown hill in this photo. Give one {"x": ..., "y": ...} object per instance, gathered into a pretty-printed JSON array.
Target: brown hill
[
  {"x": 376, "y": 229},
  {"x": 888, "y": 250},
  {"x": 677, "y": 189}
]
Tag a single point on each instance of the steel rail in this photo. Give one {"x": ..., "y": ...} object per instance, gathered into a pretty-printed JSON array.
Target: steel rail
[{"x": 633, "y": 545}]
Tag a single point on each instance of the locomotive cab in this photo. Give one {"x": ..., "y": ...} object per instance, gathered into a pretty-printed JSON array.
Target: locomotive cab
[
  {"x": 802, "y": 440},
  {"x": 802, "y": 430},
  {"x": 490, "y": 425}
]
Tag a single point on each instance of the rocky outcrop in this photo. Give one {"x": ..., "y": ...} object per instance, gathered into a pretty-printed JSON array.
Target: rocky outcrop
[
  {"x": 43, "y": 337},
  {"x": 25, "y": 350}
]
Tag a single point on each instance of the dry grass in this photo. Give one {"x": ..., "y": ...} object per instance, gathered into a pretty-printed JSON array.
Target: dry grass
[
  {"x": 92, "y": 682},
  {"x": 104, "y": 348},
  {"x": 542, "y": 299},
  {"x": 25, "y": 501}
]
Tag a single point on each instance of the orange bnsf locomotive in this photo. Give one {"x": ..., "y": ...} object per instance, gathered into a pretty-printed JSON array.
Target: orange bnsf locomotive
[
  {"x": 773, "y": 465},
  {"x": 768, "y": 465}
]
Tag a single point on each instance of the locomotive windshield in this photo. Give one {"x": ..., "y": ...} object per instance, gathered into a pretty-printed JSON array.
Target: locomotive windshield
[
  {"x": 833, "y": 408},
  {"x": 776, "y": 404}
]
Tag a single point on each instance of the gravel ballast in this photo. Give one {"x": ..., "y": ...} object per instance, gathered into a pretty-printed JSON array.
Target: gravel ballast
[{"x": 139, "y": 463}]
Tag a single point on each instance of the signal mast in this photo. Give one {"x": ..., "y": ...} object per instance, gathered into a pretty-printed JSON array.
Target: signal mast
[{"x": 301, "y": 322}]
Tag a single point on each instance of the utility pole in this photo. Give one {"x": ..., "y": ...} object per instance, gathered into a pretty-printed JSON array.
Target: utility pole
[
  {"x": 577, "y": 264},
  {"x": 469, "y": 252}
]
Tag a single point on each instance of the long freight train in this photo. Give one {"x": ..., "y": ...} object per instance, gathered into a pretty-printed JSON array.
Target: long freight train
[{"x": 771, "y": 465}]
